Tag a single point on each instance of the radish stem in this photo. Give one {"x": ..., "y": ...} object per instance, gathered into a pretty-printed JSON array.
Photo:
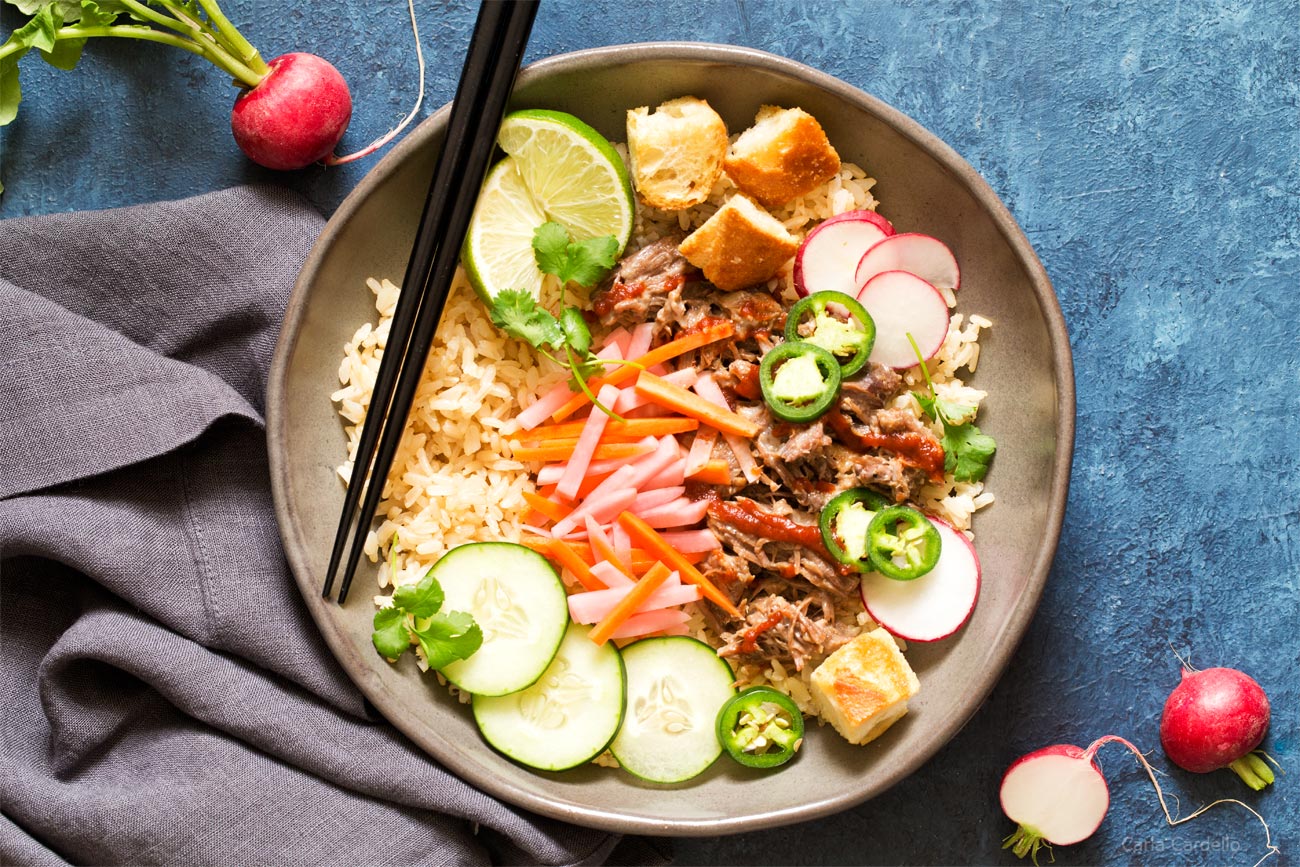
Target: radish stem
[
  {"x": 211, "y": 53},
  {"x": 1269, "y": 848},
  {"x": 1026, "y": 841},
  {"x": 1253, "y": 771},
  {"x": 233, "y": 39}
]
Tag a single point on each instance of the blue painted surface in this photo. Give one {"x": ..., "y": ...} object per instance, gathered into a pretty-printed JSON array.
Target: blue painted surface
[{"x": 1152, "y": 154}]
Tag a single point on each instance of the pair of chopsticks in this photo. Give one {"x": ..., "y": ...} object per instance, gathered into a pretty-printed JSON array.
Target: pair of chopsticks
[{"x": 495, "y": 52}]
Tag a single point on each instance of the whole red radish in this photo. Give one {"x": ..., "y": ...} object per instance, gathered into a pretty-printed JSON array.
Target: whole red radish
[
  {"x": 1054, "y": 795},
  {"x": 295, "y": 115},
  {"x": 1214, "y": 719}
]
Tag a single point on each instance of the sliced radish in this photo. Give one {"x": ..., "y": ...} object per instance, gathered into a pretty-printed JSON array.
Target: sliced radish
[
  {"x": 690, "y": 541},
  {"x": 1056, "y": 795},
  {"x": 650, "y": 622},
  {"x": 828, "y": 258},
  {"x": 594, "y": 605},
  {"x": 679, "y": 513},
  {"x": 656, "y": 496},
  {"x": 935, "y": 605},
  {"x": 901, "y": 303},
  {"x": 670, "y": 477},
  {"x": 926, "y": 257},
  {"x": 610, "y": 575}
]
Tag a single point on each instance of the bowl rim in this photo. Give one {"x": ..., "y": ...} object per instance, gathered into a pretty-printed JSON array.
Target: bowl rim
[{"x": 377, "y": 692}]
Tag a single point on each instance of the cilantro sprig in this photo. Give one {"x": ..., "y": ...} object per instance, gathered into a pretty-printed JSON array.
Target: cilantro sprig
[
  {"x": 518, "y": 314},
  {"x": 445, "y": 636},
  {"x": 967, "y": 450},
  {"x": 583, "y": 262}
]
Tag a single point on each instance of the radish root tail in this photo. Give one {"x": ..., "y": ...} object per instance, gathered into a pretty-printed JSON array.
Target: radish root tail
[
  {"x": 1184, "y": 662},
  {"x": 1269, "y": 848},
  {"x": 335, "y": 160}
]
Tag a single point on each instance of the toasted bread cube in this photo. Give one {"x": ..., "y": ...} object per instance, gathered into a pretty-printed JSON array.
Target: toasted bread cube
[
  {"x": 785, "y": 154},
  {"x": 740, "y": 245},
  {"x": 676, "y": 152},
  {"x": 863, "y": 688}
]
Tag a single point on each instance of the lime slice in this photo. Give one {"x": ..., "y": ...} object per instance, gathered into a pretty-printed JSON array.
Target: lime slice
[
  {"x": 498, "y": 252},
  {"x": 563, "y": 170}
]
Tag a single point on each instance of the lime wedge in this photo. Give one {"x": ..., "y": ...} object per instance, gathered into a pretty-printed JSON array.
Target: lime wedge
[
  {"x": 559, "y": 169},
  {"x": 498, "y": 251}
]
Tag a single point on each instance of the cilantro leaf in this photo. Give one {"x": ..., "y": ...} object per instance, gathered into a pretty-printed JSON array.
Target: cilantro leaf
[
  {"x": 576, "y": 332},
  {"x": 516, "y": 313},
  {"x": 956, "y": 413},
  {"x": 414, "y": 613},
  {"x": 591, "y": 259},
  {"x": 449, "y": 637},
  {"x": 582, "y": 262},
  {"x": 423, "y": 599},
  {"x": 927, "y": 402},
  {"x": 967, "y": 451},
  {"x": 391, "y": 636},
  {"x": 551, "y": 247}
]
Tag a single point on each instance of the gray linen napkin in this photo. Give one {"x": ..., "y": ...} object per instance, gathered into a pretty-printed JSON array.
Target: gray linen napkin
[{"x": 164, "y": 697}]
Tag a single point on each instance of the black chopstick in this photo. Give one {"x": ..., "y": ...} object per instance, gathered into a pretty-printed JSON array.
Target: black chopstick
[{"x": 495, "y": 52}]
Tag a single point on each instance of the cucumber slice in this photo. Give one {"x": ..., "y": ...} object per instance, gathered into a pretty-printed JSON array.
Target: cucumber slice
[
  {"x": 519, "y": 603},
  {"x": 568, "y": 716},
  {"x": 675, "y": 688}
]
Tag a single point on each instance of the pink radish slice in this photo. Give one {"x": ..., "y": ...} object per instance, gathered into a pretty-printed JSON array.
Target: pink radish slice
[
  {"x": 679, "y": 513},
  {"x": 649, "y": 623},
  {"x": 594, "y": 605},
  {"x": 828, "y": 258},
  {"x": 691, "y": 541},
  {"x": 559, "y": 395},
  {"x": 642, "y": 335},
  {"x": 619, "y": 338},
  {"x": 610, "y": 575},
  {"x": 673, "y": 476},
  {"x": 576, "y": 470},
  {"x": 1056, "y": 795},
  {"x": 901, "y": 303},
  {"x": 926, "y": 257},
  {"x": 656, "y": 496},
  {"x": 935, "y": 605},
  {"x": 603, "y": 508}
]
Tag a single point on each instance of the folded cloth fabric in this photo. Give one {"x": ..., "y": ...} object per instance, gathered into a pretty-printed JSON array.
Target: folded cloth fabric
[{"x": 164, "y": 696}]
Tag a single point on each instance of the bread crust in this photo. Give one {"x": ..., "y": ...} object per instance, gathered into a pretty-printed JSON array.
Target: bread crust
[
  {"x": 741, "y": 245},
  {"x": 676, "y": 152},
  {"x": 784, "y": 155},
  {"x": 863, "y": 688}
]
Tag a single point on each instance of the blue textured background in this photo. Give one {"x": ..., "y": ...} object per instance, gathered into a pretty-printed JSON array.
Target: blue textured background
[{"x": 1151, "y": 151}]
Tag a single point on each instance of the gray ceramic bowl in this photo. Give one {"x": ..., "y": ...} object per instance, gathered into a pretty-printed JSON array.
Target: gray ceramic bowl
[{"x": 1025, "y": 366}]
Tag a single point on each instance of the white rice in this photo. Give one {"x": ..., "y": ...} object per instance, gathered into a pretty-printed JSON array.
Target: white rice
[{"x": 452, "y": 480}]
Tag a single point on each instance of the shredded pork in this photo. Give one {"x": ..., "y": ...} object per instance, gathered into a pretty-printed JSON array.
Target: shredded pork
[{"x": 771, "y": 561}]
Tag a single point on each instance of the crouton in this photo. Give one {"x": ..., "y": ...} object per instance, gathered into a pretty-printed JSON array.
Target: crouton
[
  {"x": 862, "y": 688},
  {"x": 785, "y": 154},
  {"x": 676, "y": 152},
  {"x": 740, "y": 245}
]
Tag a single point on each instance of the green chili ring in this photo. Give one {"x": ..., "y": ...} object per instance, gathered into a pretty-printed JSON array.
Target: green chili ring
[
  {"x": 918, "y": 543},
  {"x": 817, "y": 303},
  {"x": 873, "y": 501},
  {"x": 827, "y": 366},
  {"x": 760, "y": 727}
]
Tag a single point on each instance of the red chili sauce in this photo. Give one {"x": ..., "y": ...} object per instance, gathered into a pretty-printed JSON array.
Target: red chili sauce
[{"x": 920, "y": 450}]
